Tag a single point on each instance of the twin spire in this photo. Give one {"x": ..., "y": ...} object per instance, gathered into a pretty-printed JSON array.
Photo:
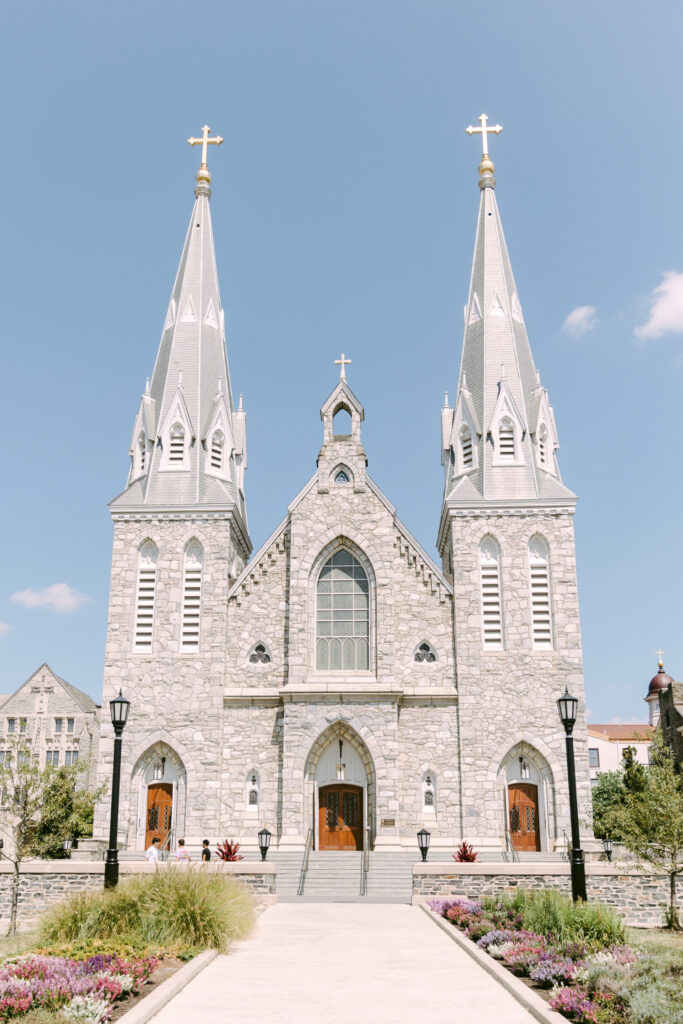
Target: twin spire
[
  {"x": 499, "y": 442},
  {"x": 189, "y": 442}
]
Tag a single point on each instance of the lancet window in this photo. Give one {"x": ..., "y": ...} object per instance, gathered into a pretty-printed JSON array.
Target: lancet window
[
  {"x": 176, "y": 452},
  {"x": 146, "y": 595},
  {"x": 343, "y": 615},
  {"x": 491, "y": 598},
  {"x": 192, "y": 595},
  {"x": 539, "y": 573}
]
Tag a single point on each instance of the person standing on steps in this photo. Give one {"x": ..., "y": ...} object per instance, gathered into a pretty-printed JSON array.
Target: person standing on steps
[
  {"x": 182, "y": 854},
  {"x": 152, "y": 852},
  {"x": 206, "y": 852}
]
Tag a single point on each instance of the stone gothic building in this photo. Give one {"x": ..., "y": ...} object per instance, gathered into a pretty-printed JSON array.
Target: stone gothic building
[{"x": 339, "y": 687}]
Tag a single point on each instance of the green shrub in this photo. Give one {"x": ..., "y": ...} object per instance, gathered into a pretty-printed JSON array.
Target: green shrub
[
  {"x": 549, "y": 912},
  {"x": 170, "y": 908}
]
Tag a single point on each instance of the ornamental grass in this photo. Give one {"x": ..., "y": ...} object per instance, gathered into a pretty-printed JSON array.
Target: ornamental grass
[{"x": 171, "y": 909}]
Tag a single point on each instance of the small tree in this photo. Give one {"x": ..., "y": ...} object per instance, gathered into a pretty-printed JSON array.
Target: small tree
[
  {"x": 22, "y": 788},
  {"x": 608, "y": 793},
  {"x": 650, "y": 821},
  {"x": 67, "y": 811}
]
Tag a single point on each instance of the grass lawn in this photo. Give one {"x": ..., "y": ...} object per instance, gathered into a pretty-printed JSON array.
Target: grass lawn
[{"x": 660, "y": 938}]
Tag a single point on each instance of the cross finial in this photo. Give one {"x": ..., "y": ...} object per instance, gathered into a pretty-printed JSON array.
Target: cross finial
[
  {"x": 203, "y": 175},
  {"x": 486, "y": 166},
  {"x": 660, "y": 654},
  {"x": 343, "y": 362}
]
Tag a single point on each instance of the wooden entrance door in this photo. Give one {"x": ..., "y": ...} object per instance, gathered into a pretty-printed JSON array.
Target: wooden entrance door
[
  {"x": 159, "y": 812},
  {"x": 524, "y": 823},
  {"x": 340, "y": 817}
]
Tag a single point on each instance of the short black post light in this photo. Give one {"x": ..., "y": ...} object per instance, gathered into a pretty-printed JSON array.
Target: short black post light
[
  {"x": 609, "y": 846},
  {"x": 67, "y": 845},
  {"x": 264, "y": 842},
  {"x": 119, "y": 707},
  {"x": 423, "y": 837},
  {"x": 568, "y": 707}
]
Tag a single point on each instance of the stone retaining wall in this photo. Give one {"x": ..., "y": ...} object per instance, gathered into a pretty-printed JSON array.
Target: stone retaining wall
[
  {"x": 640, "y": 896},
  {"x": 42, "y": 883}
]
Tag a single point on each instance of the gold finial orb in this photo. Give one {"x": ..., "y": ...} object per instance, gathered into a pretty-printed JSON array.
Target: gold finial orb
[{"x": 203, "y": 176}]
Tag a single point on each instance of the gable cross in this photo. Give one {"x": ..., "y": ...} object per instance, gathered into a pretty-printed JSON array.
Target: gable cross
[
  {"x": 205, "y": 141},
  {"x": 483, "y": 131},
  {"x": 343, "y": 362}
]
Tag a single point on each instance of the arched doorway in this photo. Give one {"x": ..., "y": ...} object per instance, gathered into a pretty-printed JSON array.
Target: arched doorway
[
  {"x": 161, "y": 783},
  {"x": 340, "y": 779},
  {"x": 528, "y": 799}
]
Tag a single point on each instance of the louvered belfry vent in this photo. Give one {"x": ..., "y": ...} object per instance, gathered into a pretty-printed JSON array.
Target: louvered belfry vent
[
  {"x": 492, "y": 615},
  {"x": 176, "y": 452},
  {"x": 540, "y": 593},
  {"x": 192, "y": 596},
  {"x": 506, "y": 440},
  {"x": 145, "y": 597}
]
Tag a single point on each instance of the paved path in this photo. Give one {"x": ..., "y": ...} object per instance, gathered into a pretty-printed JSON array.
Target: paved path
[{"x": 334, "y": 963}]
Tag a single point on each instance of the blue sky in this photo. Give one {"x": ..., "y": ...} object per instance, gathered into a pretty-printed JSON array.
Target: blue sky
[{"x": 344, "y": 206}]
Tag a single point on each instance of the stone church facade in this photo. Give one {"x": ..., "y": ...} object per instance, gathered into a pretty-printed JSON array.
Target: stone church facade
[{"x": 338, "y": 687}]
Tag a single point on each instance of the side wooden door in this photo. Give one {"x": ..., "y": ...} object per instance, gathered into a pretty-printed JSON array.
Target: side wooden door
[
  {"x": 524, "y": 824},
  {"x": 159, "y": 812},
  {"x": 340, "y": 817}
]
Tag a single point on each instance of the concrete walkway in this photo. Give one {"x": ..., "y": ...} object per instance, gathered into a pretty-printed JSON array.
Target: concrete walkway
[{"x": 332, "y": 963}]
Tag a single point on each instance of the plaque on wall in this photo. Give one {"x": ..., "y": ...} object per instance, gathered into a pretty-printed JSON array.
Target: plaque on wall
[{"x": 388, "y": 822}]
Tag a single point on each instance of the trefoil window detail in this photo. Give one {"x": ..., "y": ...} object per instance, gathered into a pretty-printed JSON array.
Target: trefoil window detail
[
  {"x": 260, "y": 655},
  {"x": 425, "y": 652},
  {"x": 192, "y": 595},
  {"x": 539, "y": 572},
  {"x": 492, "y": 612},
  {"x": 342, "y": 477},
  {"x": 343, "y": 615},
  {"x": 145, "y": 597}
]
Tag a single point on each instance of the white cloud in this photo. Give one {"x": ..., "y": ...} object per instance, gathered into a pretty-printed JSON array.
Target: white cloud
[
  {"x": 580, "y": 321},
  {"x": 666, "y": 308},
  {"x": 60, "y": 597},
  {"x": 634, "y": 720},
  {"x": 4, "y": 628}
]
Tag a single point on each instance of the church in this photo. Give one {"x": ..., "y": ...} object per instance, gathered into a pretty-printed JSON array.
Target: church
[{"x": 337, "y": 686}]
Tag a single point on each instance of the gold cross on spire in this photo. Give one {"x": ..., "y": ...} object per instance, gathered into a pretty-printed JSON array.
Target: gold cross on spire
[
  {"x": 203, "y": 175},
  {"x": 483, "y": 131},
  {"x": 486, "y": 168},
  {"x": 660, "y": 654},
  {"x": 343, "y": 362}
]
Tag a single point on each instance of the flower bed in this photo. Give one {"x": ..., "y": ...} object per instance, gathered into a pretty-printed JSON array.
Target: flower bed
[
  {"x": 81, "y": 990},
  {"x": 576, "y": 957}
]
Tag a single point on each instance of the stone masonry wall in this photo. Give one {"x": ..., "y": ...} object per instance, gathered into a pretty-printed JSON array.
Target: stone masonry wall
[
  {"x": 508, "y": 696},
  {"x": 176, "y": 697},
  {"x": 640, "y": 897},
  {"x": 42, "y": 885}
]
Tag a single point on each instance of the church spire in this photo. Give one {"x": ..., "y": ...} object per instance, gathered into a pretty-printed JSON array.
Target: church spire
[
  {"x": 189, "y": 443},
  {"x": 499, "y": 442}
]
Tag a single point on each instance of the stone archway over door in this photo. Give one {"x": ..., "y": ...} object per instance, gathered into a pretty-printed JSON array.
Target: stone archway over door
[{"x": 340, "y": 763}]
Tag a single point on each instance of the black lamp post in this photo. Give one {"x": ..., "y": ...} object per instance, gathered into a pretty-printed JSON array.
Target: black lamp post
[
  {"x": 423, "y": 837},
  {"x": 119, "y": 707},
  {"x": 609, "y": 846},
  {"x": 264, "y": 842},
  {"x": 568, "y": 707}
]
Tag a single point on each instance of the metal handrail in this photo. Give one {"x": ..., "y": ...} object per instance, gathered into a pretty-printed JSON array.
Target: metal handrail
[
  {"x": 365, "y": 863},
  {"x": 165, "y": 847},
  {"x": 510, "y": 850},
  {"x": 304, "y": 862},
  {"x": 565, "y": 855}
]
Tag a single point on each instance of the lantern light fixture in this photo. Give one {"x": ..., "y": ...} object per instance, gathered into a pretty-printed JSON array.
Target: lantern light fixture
[
  {"x": 609, "y": 846},
  {"x": 423, "y": 837},
  {"x": 264, "y": 842}
]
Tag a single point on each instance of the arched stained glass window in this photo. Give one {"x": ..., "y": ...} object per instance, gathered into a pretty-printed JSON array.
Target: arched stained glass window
[{"x": 343, "y": 619}]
